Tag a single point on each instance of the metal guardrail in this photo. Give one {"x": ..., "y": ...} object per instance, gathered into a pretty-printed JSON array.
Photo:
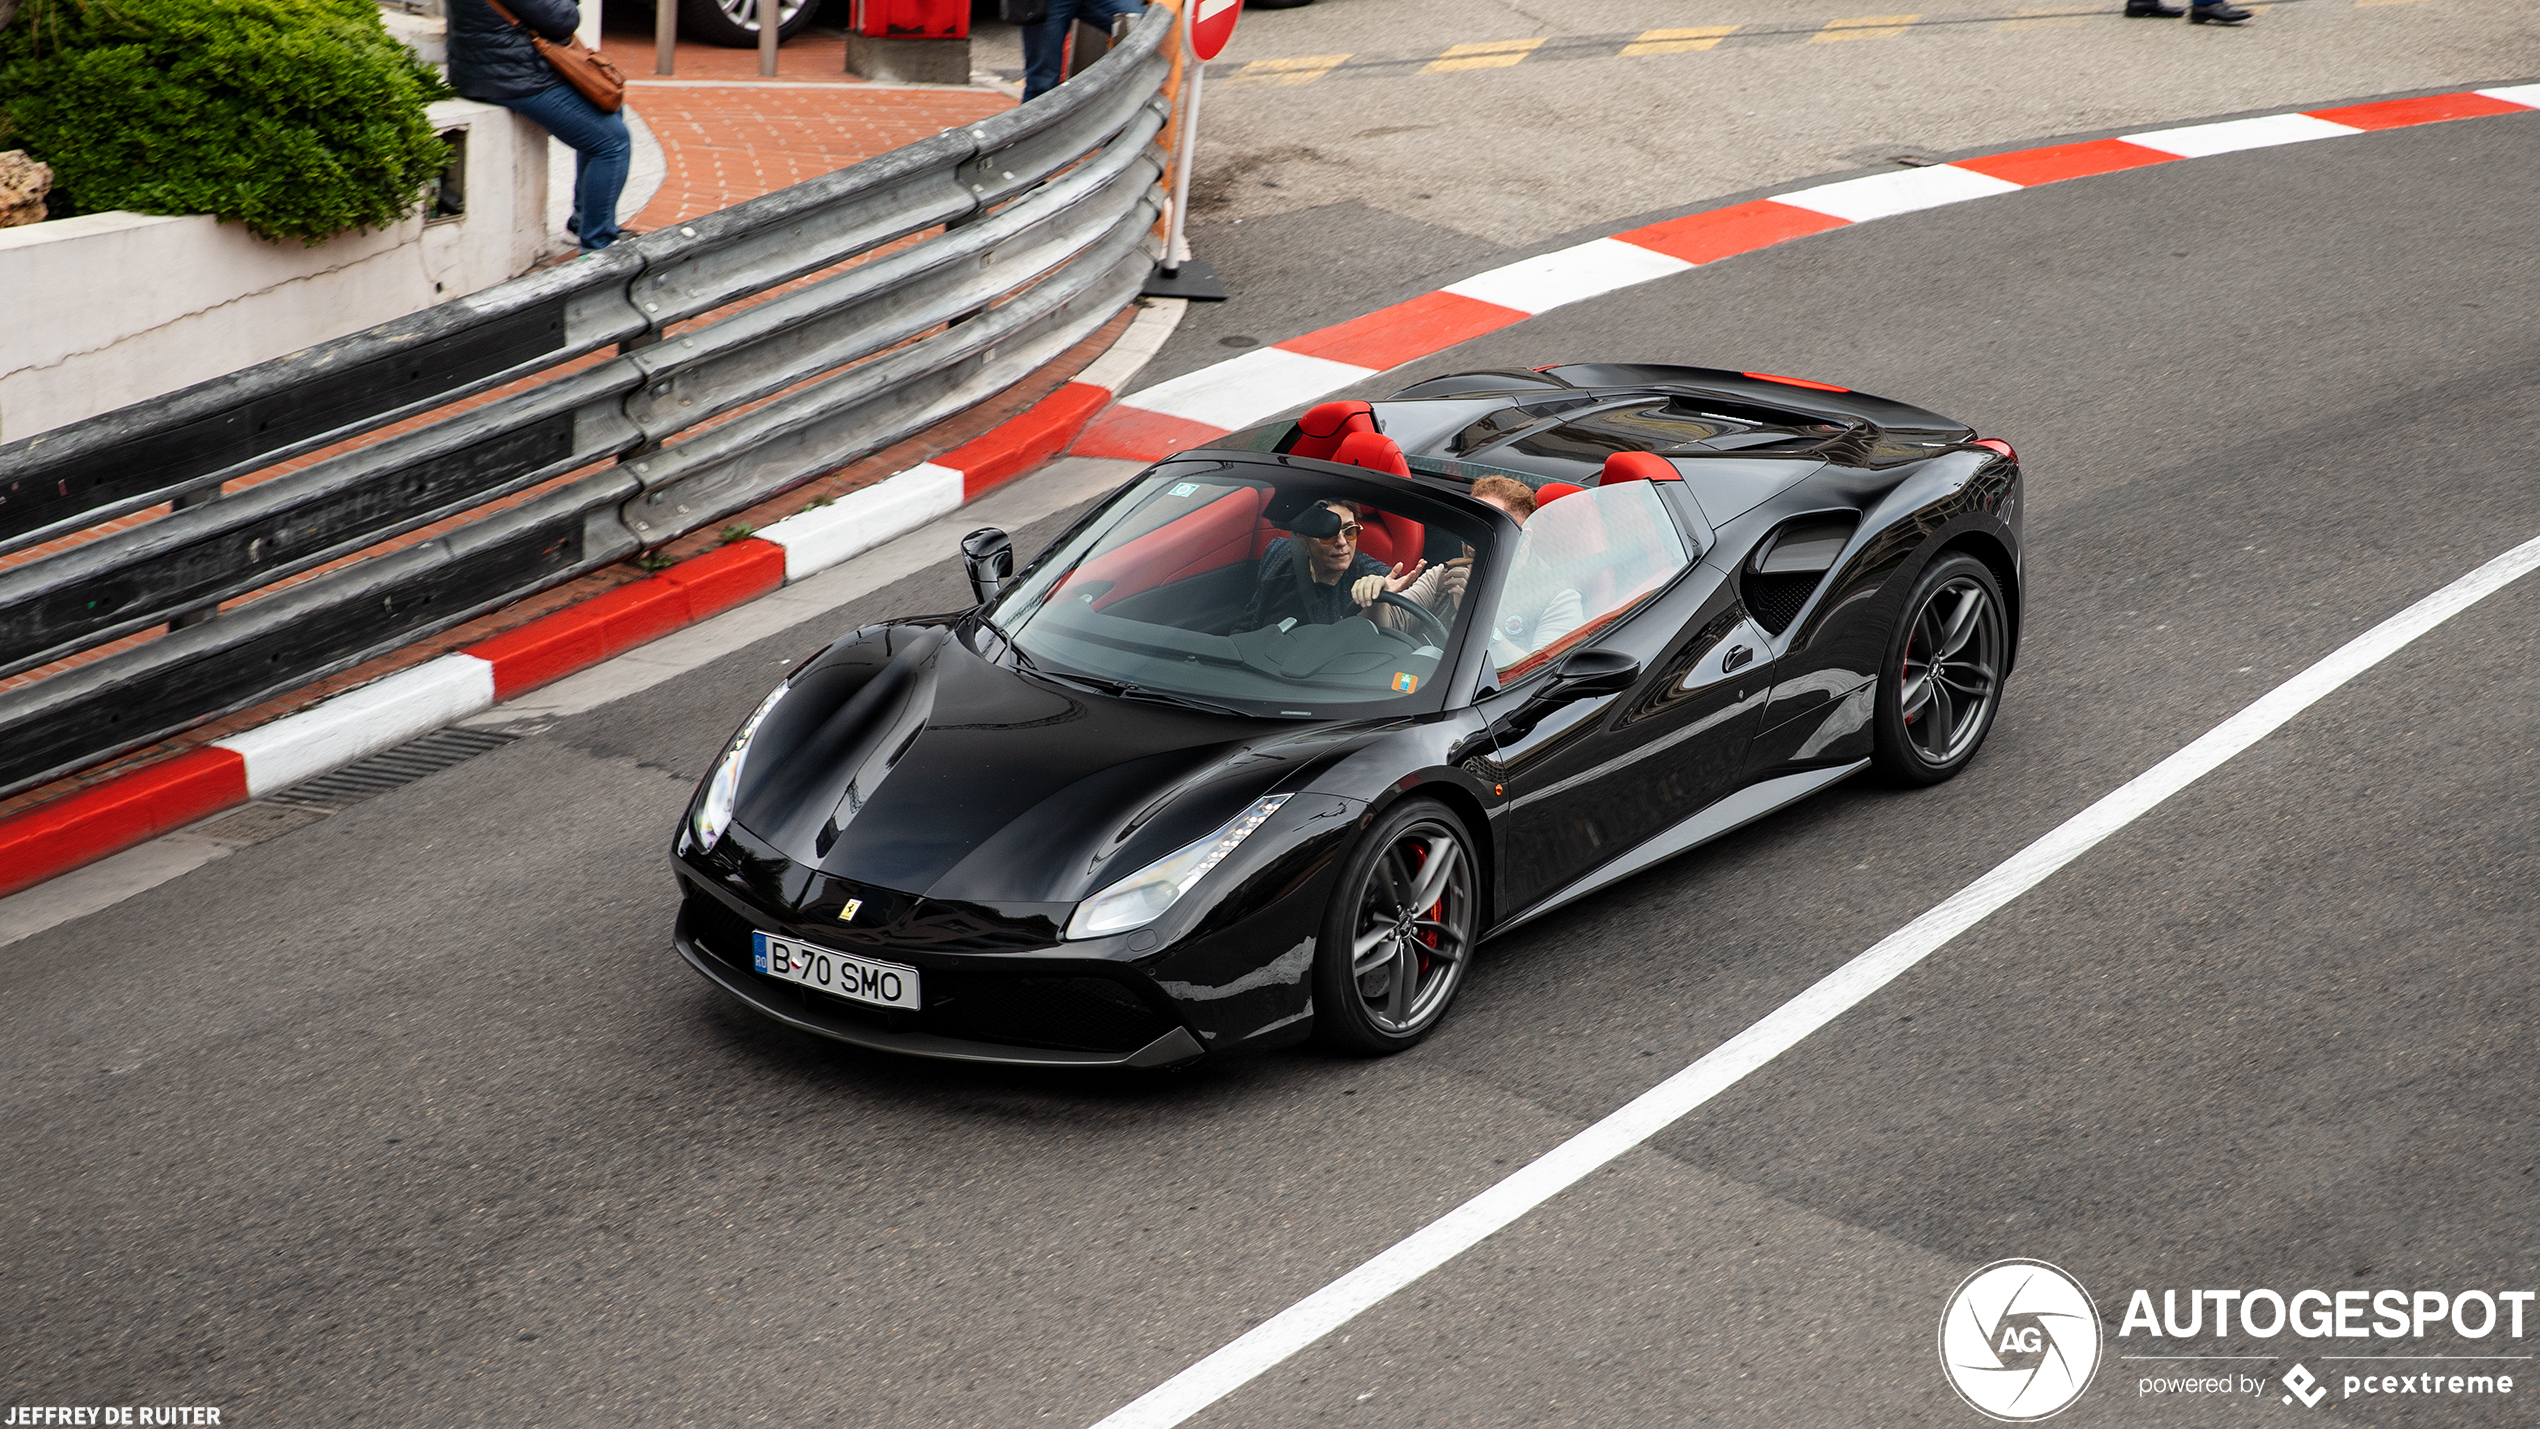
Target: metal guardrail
[{"x": 1046, "y": 214}]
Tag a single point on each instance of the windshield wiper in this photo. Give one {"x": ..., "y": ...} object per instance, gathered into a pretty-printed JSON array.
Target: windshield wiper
[{"x": 1122, "y": 689}]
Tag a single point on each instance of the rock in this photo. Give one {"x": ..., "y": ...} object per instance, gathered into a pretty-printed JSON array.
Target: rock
[{"x": 23, "y": 185}]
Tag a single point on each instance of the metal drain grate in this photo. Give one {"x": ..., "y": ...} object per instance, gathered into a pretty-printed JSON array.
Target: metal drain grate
[{"x": 390, "y": 769}]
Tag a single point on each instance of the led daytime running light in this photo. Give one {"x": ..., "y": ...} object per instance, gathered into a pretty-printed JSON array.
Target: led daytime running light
[
  {"x": 1144, "y": 896},
  {"x": 714, "y": 811}
]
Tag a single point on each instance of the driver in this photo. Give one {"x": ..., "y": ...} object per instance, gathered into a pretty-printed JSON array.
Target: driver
[
  {"x": 1321, "y": 588},
  {"x": 1441, "y": 591}
]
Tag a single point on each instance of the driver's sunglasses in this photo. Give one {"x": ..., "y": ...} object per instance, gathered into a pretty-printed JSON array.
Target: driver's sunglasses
[{"x": 1348, "y": 532}]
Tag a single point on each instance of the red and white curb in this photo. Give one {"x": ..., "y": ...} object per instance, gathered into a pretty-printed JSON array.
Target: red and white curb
[
  {"x": 1202, "y": 406},
  {"x": 67, "y": 833},
  {"x": 1154, "y": 422}
]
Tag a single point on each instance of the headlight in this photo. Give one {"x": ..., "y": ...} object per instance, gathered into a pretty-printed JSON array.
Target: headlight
[
  {"x": 1143, "y": 896},
  {"x": 714, "y": 812}
]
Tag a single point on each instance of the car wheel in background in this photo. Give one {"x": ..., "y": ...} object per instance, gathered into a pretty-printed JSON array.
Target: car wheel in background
[
  {"x": 1943, "y": 681},
  {"x": 735, "y": 22},
  {"x": 1399, "y": 932}
]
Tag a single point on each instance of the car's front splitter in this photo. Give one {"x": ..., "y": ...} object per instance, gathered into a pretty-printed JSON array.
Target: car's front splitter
[{"x": 1173, "y": 1048}]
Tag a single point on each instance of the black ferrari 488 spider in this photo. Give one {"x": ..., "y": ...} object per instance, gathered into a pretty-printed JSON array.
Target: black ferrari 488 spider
[{"x": 1275, "y": 737}]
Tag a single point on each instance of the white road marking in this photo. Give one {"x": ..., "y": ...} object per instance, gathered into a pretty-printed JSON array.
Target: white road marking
[
  {"x": 1905, "y": 191},
  {"x": 1433, "y": 1245},
  {"x": 362, "y": 722},
  {"x": 1570, "y": 275},
  {"x": 1242, "y": 390},
  {"x": 2197, "y": 141}
]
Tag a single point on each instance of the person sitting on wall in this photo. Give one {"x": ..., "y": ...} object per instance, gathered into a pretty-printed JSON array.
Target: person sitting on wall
[{"x": 492, "y": 61}]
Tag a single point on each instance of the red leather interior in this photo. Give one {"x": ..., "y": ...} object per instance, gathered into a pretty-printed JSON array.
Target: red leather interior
[
  {"x": 1638, "y": 466},
  {"x": 1552, "y": 491},
  {"x": 1322, "y": 429},
  {"x": 1218, "y": 534}
]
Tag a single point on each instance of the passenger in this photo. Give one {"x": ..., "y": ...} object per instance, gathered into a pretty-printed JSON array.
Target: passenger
[
  {"x": 1537, "y": 607},
  {"x": 1319, "y": 590},
  {"x": 1440, "y": 591}
]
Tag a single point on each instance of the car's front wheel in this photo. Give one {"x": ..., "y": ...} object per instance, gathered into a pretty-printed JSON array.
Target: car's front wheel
[
  {"x": 1943, "y": 681},
  {"x": 1399, "y": 932}
]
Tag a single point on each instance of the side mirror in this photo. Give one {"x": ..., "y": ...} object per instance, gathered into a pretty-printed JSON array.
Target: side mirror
[
  {"x": 1582, "y": 674},
  {"x": 987, "y": 557}
]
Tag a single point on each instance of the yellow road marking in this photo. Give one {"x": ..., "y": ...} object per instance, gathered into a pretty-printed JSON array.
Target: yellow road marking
[
  {"x": 1482, "y": 54},
  {"x": 1676, "y": 42},
  {"x": 1863, "y": 27},
  {"x": 2045, "y": 20},
  {"x": 1304, "y": 69}
]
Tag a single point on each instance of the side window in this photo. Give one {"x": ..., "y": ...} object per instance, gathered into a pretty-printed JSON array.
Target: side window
[{"x": 1582, "y": 562}]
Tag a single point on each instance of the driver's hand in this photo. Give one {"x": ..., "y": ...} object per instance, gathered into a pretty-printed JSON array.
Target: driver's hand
[
  {"x": 1451, "y": 585},
  {"x": 1404, "y": 575},
  {"x": 1365, "y": 589}
]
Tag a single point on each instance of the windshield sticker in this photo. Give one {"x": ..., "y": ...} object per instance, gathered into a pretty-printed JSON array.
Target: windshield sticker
[
  {"x": 1404, "y": 682},
  {"x": 1183, "y": 488}
]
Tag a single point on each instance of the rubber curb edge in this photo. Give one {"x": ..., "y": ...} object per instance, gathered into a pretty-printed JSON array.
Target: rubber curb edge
[{"x": 55, "y": 838}]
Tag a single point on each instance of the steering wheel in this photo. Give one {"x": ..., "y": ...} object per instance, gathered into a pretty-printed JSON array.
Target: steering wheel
[{"x": 1436, "y": 626}]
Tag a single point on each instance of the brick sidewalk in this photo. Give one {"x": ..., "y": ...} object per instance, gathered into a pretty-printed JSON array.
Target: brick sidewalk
[
  {"x": 727, "y": 135},
  {"x": 723, "y": 143}
]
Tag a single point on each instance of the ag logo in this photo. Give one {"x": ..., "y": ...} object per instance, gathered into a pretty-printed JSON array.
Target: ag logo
[{"x": 2020, "y": 1340}]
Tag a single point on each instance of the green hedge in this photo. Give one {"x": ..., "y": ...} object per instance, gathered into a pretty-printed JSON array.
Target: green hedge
[{"x": 299, "y": 118}]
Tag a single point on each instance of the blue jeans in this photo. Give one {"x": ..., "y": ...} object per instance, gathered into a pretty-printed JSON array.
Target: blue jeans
[
  {"x": 602, "y": 153},
  {"x": 1045, "y": 44}
]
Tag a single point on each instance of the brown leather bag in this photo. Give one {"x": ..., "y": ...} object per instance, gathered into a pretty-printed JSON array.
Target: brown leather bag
[{"x": 594, "y": 75}]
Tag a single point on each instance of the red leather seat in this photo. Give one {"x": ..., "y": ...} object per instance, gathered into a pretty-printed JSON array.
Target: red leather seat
[
  {"x": 1552, "y": 491},
  {"x": 1638, "y": 466},
  {"x": 1322, "y": 429},
  {"x": 1217, "y": 534}
]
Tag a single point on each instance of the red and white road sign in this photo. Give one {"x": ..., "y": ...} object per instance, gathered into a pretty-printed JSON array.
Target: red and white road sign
[{"x": 1213, "y": 24}]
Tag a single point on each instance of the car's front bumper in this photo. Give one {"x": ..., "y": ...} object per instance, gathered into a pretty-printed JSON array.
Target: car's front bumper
[{"x": 835, "y": 1018}]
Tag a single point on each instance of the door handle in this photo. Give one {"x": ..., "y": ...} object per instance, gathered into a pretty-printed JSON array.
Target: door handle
[{"x": 1736, "y": 658}]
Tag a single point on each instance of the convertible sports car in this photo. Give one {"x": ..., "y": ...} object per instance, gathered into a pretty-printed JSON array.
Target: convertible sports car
[{"x": 1270, "y": 741}]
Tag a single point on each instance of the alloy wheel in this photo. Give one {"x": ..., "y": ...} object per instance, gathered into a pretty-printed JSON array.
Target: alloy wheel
[
  {"x": 1952, "y": 673},
  {"x": 1413, "y": 932},
  {"x": 744, "y": 13}
]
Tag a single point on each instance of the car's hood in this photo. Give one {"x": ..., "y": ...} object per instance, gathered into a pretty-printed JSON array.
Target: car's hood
[{"x": 902, "y": 760}]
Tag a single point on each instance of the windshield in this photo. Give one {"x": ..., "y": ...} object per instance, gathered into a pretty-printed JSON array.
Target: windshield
[{"x": 1266, "y": 590}]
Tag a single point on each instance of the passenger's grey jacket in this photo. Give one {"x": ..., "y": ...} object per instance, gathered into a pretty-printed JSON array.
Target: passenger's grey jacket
[{"x": 491, "y": 60}]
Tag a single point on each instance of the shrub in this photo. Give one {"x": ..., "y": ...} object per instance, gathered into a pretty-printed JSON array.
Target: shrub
[{"x": 298, "y": 118}]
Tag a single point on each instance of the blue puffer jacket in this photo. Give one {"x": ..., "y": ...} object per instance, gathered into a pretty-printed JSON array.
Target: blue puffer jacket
[{"x": 490, "y": 60}]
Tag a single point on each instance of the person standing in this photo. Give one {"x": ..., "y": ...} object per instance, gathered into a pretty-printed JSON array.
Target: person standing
[
  {"x": 2203, "y": 12},
  {"x": 492, "y": 61},
  {"x": 1045, "y": 41}
]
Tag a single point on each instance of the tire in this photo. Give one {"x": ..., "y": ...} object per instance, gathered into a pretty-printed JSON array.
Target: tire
[
  {"x": 734, "y": 23},
  {"x": 1931, "y": 721},
  {"x": 1394, "y": 992}
]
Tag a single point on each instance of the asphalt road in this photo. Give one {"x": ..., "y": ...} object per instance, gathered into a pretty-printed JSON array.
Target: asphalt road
[
  {"x": 1324, "y": 193},
  {"x": 411, "y": 1116}
]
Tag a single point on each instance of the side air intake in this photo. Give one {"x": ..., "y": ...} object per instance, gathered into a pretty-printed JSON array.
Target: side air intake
[{"x": 1786, "y": 569}]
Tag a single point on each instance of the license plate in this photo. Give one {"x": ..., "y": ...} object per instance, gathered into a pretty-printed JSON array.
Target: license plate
[{"x": 839, "y": 974}]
